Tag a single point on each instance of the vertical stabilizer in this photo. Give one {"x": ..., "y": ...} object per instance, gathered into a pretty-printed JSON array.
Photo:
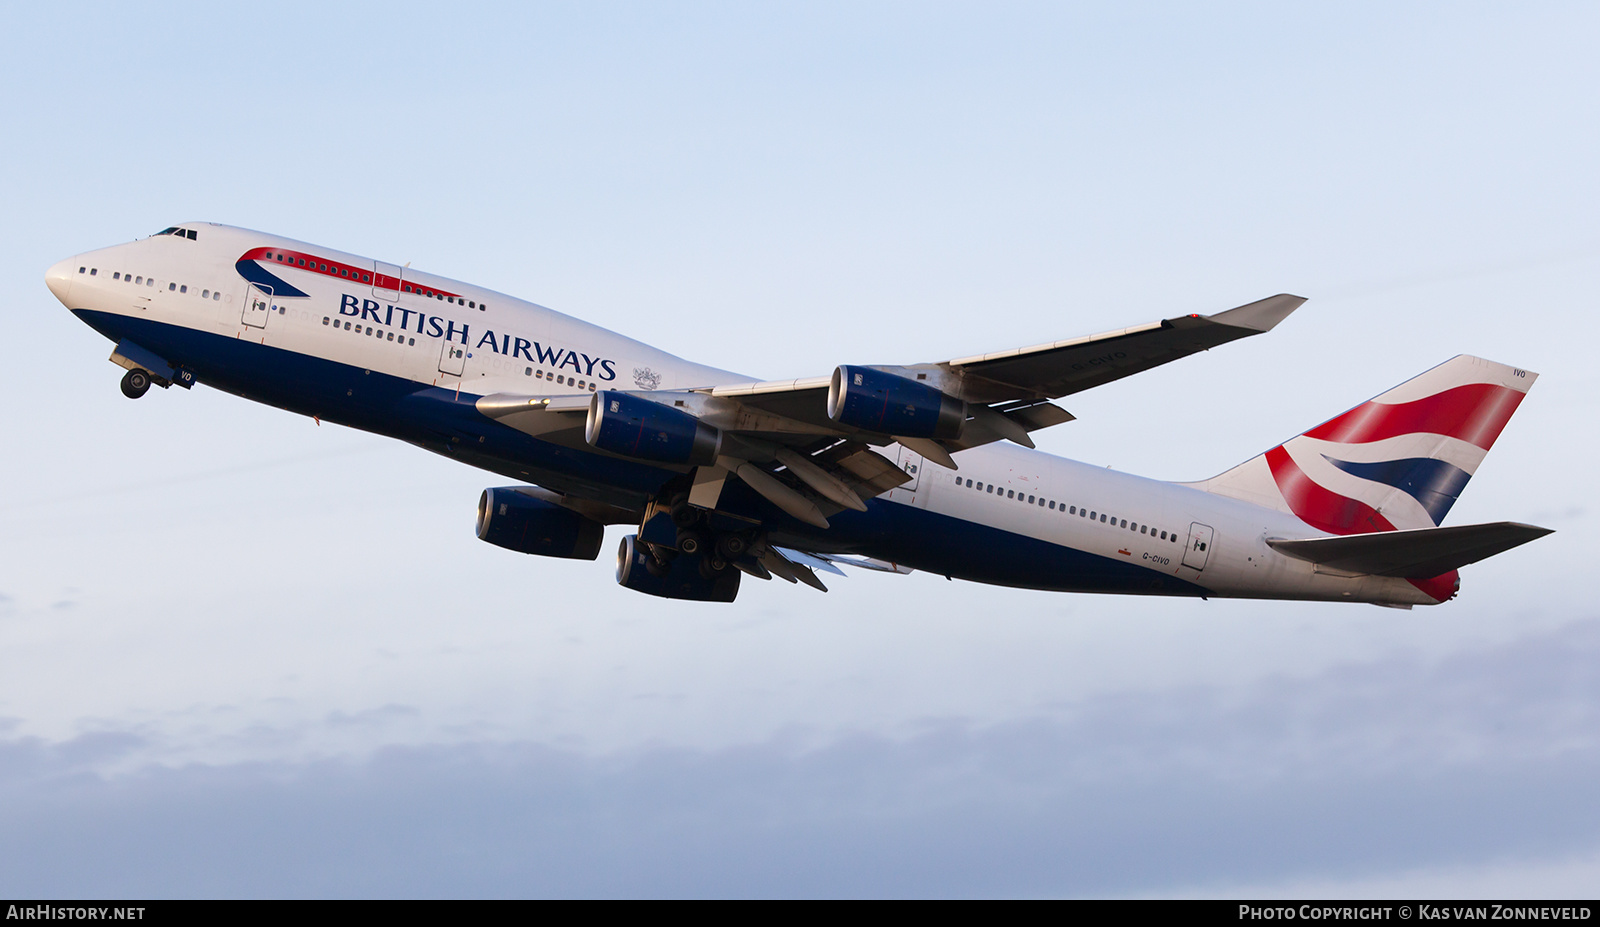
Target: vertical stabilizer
[{"x": 1397, "y": 461}]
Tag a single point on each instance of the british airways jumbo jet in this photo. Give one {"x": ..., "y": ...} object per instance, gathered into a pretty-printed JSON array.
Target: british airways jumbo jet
[{"x": 896, "y": 468}]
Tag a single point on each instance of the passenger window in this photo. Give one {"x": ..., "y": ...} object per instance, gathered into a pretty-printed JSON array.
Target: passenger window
[
  {"x": 1124, "y": 523},
  {"x": 365, "y": 278},
  {"x": 471, "y": 304},
  {"x": 150, "y": 282},
  {"x": 410, "y": 342},
  {"x": 391, "y": 337},
  {"x": 216, "y": 296},
  {"x": 539, "y": 375},
  {"x": 172, "y": 287},
  {"x": 343, "y": 272},
  {"x": 1011, "y": 494},
  {"x": 300, "y": 262},
  {"x": 1030, "y": 500},
  {"x": 528, "y": 372},
  {"x": 184, "y": 288},
  {"x": 93, "y": 271},
  {"x": 82, "y": 269},
  {"x": 324, "y": 320},
  {"x": 1074, "y": 511},
  {"x": 205, "y": 294},
  {"x": 117, "y": 275},
  {"x": 138, "y": 280}
]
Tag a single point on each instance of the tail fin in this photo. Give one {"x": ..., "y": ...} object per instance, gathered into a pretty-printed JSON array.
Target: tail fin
[{"x": 1398, "y": 461}]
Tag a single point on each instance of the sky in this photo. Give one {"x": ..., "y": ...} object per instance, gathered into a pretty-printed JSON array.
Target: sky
[{"x": 242, "y": 654}]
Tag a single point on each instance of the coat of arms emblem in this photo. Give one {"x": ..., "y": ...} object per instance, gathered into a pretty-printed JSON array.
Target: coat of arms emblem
[{"x": 646, "y": 378}]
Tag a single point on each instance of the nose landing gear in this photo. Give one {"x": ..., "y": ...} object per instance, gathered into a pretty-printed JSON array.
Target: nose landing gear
[{"x": 135, "y": 383}]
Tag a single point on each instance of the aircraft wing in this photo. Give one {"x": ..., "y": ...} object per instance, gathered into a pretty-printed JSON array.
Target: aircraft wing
[
  {"x": 1061, "y": 368},
  {"x": 806, "y": 448},
  {"x": 1008, "y": 392}
]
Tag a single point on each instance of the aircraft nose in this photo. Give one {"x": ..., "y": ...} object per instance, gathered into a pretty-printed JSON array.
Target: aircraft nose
[{"x": 59, "y": 279}]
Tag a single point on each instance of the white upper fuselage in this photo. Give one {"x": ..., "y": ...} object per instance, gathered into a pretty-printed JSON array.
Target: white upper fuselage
[
  {"x": 188, "y": 277},
  {"x": 445, "y": 334}
]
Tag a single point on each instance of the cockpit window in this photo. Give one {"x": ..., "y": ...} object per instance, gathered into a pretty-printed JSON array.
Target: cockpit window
[
  {"x": 168, "y": 231},
  {"x": 181, "y": 233}
]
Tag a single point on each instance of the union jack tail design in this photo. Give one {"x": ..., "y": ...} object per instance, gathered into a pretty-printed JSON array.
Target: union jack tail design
[{"x": 1397, "y": 461}]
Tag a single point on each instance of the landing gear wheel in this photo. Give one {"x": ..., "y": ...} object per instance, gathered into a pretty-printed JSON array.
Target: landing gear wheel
[
  {"x": 730, "y": 546},
  {"x": 713, "y": 566},
  {"x": 135, "y": 383},
  {"x": 690, "y": 541},
  {"x": 659, "y": 563}
]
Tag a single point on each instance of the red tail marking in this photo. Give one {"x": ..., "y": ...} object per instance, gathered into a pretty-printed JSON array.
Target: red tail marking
[
  {"x": 1318, "y": 507},
  {"x": 1475, "y": 413},
  {"x": 1440, "y": 588}
]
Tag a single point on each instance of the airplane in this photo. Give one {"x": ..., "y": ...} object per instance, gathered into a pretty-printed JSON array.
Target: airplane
[{"x": 894, "y": 468}]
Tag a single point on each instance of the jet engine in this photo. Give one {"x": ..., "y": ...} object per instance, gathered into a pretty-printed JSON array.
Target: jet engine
[
  {"x": 635, "y": 427},
  {"x": 517, "y": 521},
  {"x": 872, "y": 400},
  {"x": 685, "y": 576}
]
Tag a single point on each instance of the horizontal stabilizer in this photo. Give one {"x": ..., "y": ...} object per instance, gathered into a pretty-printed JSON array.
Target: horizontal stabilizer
[{"x": 1415, "y": 554}]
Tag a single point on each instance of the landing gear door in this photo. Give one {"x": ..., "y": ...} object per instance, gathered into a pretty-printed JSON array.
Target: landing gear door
[
  {"x": 386, "y": 280},
  {"x": 1199, "y": 547},
  {"x": 257, "y": 305},
  {"x": 453, "y": 358}
]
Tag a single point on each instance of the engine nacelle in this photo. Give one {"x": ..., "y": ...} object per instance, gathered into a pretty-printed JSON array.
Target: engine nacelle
[
  {"x": 635, "y": 427},
  {"x": 517, "y": 521},
  {"x": 680, "y": 578},
  {"x": 872, "y": 400}
]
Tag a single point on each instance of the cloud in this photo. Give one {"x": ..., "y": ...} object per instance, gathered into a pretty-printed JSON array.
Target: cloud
[{"x": 1366, "y": 770}]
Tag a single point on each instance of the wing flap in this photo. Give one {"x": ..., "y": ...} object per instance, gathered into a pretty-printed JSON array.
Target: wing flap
[{"x": 1418, "y": 553}]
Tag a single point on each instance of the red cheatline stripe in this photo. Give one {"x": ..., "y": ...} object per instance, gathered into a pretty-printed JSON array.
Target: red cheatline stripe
[
  {"x": 315, "y": 264},
  {"x": 1319, "y": 507},
  {"x": 1475, "y": 413}
]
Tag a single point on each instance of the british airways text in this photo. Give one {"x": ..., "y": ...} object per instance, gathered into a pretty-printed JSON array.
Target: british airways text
[{"x": 370, "y": 310}]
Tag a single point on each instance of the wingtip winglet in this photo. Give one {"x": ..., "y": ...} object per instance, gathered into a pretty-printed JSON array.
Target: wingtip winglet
[{"x": 1262, "y": 315}]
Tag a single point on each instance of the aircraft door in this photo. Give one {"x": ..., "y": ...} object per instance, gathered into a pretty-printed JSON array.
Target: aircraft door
[
  {"x": 257, "y": 305},
  {"x": 1199, "y": 547},
  {"x": 912, "y": 463},
  {"x": 386, "y": 280},
  {"x": 453, "y": 358}
]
